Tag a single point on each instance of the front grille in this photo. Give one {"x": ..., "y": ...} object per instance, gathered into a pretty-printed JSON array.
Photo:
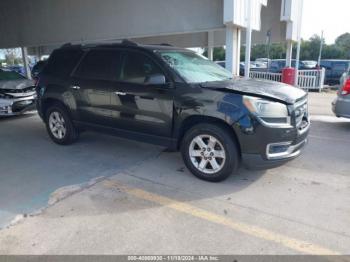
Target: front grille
[
  {"x": 29, "y": 89},
  {"x": 301, "y": 115}
]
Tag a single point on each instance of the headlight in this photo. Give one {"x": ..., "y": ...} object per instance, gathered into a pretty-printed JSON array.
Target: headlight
[{"x": 271, "y": 113}]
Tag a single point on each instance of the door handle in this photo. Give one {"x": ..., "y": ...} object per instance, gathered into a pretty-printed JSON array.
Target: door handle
[
  {"x": 120, "y": 93},
  {"x": 75, "y": 87}
]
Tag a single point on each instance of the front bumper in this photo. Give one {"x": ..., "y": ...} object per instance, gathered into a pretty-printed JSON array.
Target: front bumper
[
  {"x": 271, "y": 147},
  {"x": 17, "y": 106},
  {"x": 256, "y": 161}
]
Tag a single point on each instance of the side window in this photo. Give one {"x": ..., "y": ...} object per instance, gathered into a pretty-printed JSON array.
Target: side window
[
  {"x": 62, "y": 62},
  {"x": 137, "y": 67},
  {"x": 100, "y": 64}
]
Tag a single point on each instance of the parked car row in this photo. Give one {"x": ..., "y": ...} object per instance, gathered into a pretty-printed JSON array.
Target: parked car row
[{"x": 334, "y": 68}]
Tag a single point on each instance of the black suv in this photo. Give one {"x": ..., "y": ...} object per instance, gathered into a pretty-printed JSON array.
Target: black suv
[{"x": 175, "y": 98}]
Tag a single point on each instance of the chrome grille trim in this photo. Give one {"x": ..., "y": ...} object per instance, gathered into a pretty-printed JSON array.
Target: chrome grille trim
[{"x": 301, "y": 112}]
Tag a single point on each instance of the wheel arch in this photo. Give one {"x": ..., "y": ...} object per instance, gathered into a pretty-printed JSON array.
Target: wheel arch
[
  {"x": 49, "y": 101},
  {"x": 192, "y": 121}
]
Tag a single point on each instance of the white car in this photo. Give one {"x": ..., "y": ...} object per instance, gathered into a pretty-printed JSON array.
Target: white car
[{"x": 17, "y": 93}]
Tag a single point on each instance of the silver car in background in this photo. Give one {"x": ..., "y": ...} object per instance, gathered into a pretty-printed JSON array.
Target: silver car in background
[
  {"x": 341, "y": 105},
  {"x": 17, "y": 93}
]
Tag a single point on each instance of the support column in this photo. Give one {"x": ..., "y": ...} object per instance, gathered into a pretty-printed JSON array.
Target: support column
[
  {"x": 210, "y": 45},
  {"x": 297, "y": 59},
  {"x": 248, "y": 42},
  {"x": 289, "y": 54},
  {"x": 26, "y": 62},
  {"x": 233, "y": 49}
]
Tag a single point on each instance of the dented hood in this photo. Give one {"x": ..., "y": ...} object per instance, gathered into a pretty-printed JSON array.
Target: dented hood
[
  {"x": 16, "y": 84},
  {"x": 261, "y": 88}
]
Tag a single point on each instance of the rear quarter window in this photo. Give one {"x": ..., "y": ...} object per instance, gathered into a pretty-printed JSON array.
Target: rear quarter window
[
  {"x": 100, "y": 65},
  {"x": 62, "y": 62}
]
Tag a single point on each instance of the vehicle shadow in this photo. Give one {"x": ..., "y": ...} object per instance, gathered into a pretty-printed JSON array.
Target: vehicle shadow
[
  {"x": 32, "y": 167},
  {"x": 166, "y": 176}
]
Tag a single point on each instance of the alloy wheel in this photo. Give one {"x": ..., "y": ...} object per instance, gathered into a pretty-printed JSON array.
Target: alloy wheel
[{"x": 207, "y": 154}]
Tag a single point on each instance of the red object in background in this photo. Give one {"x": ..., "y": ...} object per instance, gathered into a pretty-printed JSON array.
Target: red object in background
[
  {"x": 288, "y": 75},
  {"x": 346, "y": 88}
]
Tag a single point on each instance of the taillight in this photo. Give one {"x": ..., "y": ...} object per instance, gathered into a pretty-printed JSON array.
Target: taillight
[{"x": 346, "y": 88}]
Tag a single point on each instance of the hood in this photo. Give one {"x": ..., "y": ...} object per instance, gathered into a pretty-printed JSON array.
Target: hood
[
  {"x": 261, "y": 88},
  {"x": 16, "y": 84}
]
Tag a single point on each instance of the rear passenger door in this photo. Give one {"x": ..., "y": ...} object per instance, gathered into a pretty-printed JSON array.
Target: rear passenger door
[
  {"x": 93, "y": 81},
  {"x": 137, "y": 106}
]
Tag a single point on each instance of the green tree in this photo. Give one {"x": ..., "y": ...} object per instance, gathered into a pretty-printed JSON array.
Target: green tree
[
  {"x": 343, "y": 42},
  {"x": 310, "y": 49},
  {"x": 12, "y": 56},
  {"x": 218, "y": 53},
  {"x": 333, "y": 52}
]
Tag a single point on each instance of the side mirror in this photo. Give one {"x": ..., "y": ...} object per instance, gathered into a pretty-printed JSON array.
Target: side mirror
[{"x": 156, "y": 79}]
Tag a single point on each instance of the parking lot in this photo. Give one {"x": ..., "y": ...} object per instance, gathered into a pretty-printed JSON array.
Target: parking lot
[{"x": 106, "y": 195}]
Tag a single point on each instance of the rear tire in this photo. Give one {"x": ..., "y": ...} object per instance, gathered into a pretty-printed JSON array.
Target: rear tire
[
  {"x": 60, "y": 126},
  {"x": 210, "y": 152}
]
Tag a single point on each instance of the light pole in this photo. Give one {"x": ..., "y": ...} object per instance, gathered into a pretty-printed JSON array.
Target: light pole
[{"x": 320, "y": 55}]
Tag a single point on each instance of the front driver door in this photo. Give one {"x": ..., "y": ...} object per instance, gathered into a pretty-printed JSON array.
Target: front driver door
[{"x": 137, "y": 106}]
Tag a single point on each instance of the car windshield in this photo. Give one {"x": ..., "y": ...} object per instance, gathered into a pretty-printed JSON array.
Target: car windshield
[
  {"x": 194, "y": 68},
  {"x": 10, "y": 75}
]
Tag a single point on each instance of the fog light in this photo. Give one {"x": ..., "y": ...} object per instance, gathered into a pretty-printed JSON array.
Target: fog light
[
  {"x": 275, "y": 149},
  {"x": 6, "y": 109},
  {"x": 278, "y": 149}
]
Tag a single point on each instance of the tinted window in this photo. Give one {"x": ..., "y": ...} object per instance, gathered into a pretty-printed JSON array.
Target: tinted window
[
  {"x": 62, "y": 62},
  {"x": 137, "y": 67},
  {"x": 100, "y": 64}
]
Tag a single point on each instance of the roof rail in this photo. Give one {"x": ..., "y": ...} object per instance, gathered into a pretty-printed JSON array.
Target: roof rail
[
  {"x": 66, "y": 45},
  {"x": 129, "y": 43},
  {"x": 166, "y": 44}
]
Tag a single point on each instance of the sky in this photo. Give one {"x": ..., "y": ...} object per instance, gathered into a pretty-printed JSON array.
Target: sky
[{"x": 332, "y": 16}]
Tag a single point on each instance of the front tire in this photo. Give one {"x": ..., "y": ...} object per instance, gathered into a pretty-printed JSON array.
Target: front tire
[
  {"x": 210, "y": 152},
  {"x": 60, "y": 126}
]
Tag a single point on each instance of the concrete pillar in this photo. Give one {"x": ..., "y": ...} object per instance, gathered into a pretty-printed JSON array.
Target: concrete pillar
[
  {"x": 26, "y": 62},
  {"x": 297, "y": 59},
  {"x": 248, "y": 45},
  {"x": 210, "y": 45},
  {"x": 233, "y": 49},
  {"x": 289, "y": 53}
]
